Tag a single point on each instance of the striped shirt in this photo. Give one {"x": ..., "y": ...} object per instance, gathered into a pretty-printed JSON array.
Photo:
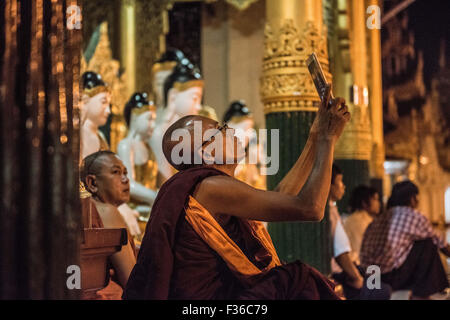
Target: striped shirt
[{"x": 390, "y": 237}]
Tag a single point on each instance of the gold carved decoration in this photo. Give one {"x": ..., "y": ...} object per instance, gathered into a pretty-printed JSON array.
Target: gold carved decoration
[
  {"x": 286, "y": 84},
  {"x": 103, "y": 63},
  {"x": 356, "y": 140}
]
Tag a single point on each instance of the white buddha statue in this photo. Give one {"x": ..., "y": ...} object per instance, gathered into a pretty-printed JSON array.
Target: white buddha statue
[
  {"x": 95, "y": 110},
  {"x": 183, "y": 91},
  {"x": 239, "y": 117},
  {"x": 135, "y": 153},
  {"x": 162, "y": 69}
]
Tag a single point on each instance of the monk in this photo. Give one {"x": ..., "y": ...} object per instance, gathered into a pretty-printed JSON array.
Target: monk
[
  {"x": 105, "y": 177},
  {"x": 205, "y": 239}
]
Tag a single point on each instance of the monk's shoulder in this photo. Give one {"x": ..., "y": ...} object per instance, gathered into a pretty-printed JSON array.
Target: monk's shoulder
[
  {"x": 109, "y": 215},
  {"x": 211, "y": 191},
  {"x": 104, "y": 208},
  {"x": 214, "y": 184}
]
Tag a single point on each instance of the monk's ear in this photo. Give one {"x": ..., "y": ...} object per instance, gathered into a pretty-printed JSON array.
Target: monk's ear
[{"x": 91, "y": 184}]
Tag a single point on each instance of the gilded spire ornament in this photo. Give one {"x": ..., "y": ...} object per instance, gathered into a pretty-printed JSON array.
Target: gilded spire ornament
[{"x": 286, "y": 84}]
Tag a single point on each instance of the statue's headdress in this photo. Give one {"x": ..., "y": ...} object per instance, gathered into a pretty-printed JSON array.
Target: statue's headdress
[
  {"x": 237, "y": 111},
  {"x": 169, "y": 59},
  {"x": 137, "y": 105},
  {"x": 183, "y": 78},
  {"x": 93, "y": 84}
]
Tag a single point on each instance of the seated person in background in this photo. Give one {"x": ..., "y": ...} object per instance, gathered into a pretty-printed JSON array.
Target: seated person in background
[
  {"x": 365, "y": 205},
  {"x": 401, "y": 241},
  {"x": 105, "y": 177},
  {"x": 343, "y": 266},
  {"x": 205, "y": 240}
]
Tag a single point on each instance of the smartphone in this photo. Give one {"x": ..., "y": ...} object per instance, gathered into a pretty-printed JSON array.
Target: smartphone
[{"x": 315, "y": 69}]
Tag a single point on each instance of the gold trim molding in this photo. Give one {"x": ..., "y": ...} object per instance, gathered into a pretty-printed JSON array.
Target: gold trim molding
[{"x": 356, "y": 140}]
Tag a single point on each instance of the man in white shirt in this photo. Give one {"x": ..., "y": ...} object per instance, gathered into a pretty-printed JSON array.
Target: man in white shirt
[{"x": 342, "y": 263}]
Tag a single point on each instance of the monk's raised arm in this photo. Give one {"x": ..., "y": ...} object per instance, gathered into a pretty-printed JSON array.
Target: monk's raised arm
[
  {"x": 296, "y": 178},
  {"x": 226, "y": 195}
]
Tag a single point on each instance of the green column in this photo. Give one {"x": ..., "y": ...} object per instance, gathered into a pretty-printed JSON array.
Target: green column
[
  {"x": 306, "y": 241},
  {"x": 355, "y": 172},
  {"x": 294, "y": 29}
]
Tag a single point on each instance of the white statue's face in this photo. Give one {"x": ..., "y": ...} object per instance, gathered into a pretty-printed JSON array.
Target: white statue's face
[
  {"x": 186, "y": 102},
  {"x": 97, "y": 108},
  {"x": 145, "y": 123},
  {"x": 158, "y": 85}
]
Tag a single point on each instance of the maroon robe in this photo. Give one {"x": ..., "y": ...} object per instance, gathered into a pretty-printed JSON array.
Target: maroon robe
[{"x": 175, "y": 263}]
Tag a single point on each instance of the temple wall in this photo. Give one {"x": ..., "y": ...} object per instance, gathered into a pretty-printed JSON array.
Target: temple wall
[{"x": 232, "y": 51}]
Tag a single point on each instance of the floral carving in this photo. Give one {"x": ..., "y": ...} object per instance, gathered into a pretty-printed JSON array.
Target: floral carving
[{"x": 285, "y": 74}]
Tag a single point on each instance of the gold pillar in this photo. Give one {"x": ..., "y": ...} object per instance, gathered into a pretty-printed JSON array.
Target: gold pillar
[
  {"x": 351, "y": 81},
  {"x": 127, "y": 42},
  {"x": 354, "y": 148},
  {"x": 294, "y": 29},
  {"x": 151, "y": 29},
  {"x": 376, "y": 100}
]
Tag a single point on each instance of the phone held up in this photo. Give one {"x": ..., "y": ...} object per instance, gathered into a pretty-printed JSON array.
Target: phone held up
[{"x": 318, "y": 77}]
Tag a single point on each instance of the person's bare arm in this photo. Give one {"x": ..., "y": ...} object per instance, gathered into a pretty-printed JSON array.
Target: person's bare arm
[
  {"x": 225, "y": 195},
  {"x": 123, "y": 263},
  {"x": 124, "y": 260},
  {"x": 349, "y": 268},
  {"x": 295, "y": 179},
  {"x": 321, "y": 130}
]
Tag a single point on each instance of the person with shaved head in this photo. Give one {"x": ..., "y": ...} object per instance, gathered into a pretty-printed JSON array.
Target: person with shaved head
[
  {"x": 105, "y": 177},
  {"x": 205, "y": 238}
]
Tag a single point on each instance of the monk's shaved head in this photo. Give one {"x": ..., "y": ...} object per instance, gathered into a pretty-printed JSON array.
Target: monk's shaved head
[{"x": 171, "y": 139}]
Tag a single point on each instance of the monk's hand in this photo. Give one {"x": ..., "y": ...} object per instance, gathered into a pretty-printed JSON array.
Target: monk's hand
[{"x": 331, "y": 117}]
